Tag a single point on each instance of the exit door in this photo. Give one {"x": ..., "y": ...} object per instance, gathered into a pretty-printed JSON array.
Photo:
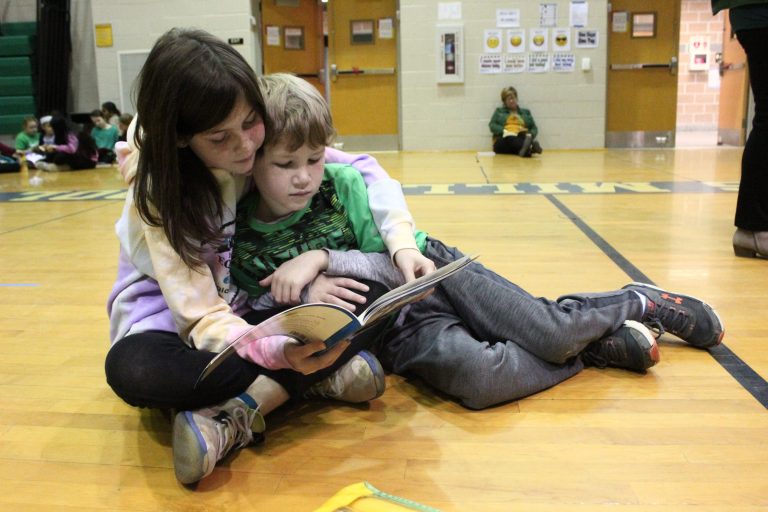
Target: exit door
[
  {"x": 642, "y": 73},
  {"x": 734, "y": 91},
  {"x": 362, "y": 58},
  {"x": 348, "y": 50}
]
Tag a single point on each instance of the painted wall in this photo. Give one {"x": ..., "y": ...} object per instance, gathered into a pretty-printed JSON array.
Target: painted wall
[
  {"x": 18, "y": 10},
  {"x": 136, "y": 24},
  {"x": 697, "y": 100},
  {"x": 569, "y": 108}
]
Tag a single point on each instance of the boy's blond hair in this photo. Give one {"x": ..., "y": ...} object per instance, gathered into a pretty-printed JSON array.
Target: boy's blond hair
[{"x": 298, "y": 112}]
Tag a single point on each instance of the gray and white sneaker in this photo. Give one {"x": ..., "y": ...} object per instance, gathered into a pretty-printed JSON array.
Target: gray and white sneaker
[
  {"x": 360, "y": 379},
  {"x": 688, "y": 318},
  {"x": 203, "y": 437}
]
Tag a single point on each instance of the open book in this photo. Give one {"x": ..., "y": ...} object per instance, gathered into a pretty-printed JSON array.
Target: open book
[{"x": 331, "y": 323}]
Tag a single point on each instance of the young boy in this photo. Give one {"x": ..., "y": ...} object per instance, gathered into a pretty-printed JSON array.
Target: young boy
[
  {"x": 28, "y": 138},
  {"x": 478, "y": 337}
]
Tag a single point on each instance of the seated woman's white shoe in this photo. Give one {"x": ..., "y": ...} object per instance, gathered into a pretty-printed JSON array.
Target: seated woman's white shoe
[{"x": 750, "y": 244}]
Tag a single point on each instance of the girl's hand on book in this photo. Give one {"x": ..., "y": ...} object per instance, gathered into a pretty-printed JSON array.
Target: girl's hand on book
[
  {"x": 303, "y": 360},
  {"x": 413, "y": 264},
  {"x": 290, "y": 278},
  {"x": 337, "y": 290}
]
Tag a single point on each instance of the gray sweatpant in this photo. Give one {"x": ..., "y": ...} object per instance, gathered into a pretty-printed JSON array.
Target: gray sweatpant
[{"x": 485, "y": 340}]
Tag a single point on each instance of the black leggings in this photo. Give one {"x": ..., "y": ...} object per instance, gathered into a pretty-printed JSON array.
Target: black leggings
[{"x": 157, "y": 369}]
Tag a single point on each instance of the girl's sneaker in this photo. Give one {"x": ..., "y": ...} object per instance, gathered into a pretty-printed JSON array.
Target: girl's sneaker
[
  {"x": 203, "y": 437},
  {"x": 631, "y": 347},
  {"x": 360, "y": 379}
]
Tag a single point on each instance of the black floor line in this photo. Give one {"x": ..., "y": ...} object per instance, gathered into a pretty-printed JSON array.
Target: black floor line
[{"x": 749, "y": 379}]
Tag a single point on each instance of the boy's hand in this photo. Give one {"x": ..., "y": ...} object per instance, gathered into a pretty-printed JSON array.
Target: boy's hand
[
  {"x": 337, "y": 290},
  {"x": 413, "y": 264},
  {"x": 302, "y": 360},
  {"x": 291, "y": 277}
]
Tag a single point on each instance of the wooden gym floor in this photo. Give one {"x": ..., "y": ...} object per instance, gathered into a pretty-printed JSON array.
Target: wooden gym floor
[{"x": 691, "y": 434}]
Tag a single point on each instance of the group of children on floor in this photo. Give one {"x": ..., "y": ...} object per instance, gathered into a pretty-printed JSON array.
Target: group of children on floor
[{"x": 56, "y": 144}]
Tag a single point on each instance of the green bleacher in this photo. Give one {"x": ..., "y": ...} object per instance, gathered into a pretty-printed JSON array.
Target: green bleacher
[{"x": 17, "y": 90}]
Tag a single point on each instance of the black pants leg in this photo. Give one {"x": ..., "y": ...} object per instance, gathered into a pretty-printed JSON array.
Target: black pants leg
[
  {"x": 509, "y": 145},
  {"x": 157, "y": 369},
  {"x": 752, "y": 203}
]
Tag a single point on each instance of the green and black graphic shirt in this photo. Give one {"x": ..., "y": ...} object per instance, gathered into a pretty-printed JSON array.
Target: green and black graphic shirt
[{"x": 336, "y": 218}]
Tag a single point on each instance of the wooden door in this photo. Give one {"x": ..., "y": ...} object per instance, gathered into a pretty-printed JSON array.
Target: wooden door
[
  {"x": 642, "y": 78},
  {"x": 292, "y": 39},
  {"x": 734, "y": 90},
  {"x": 363, "y": 73}
]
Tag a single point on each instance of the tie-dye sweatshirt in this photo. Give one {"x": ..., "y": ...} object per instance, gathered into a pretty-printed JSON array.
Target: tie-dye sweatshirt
[{"x": 155, "y": 290}]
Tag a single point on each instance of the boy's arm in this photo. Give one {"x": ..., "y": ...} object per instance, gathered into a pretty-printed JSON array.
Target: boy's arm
[{"x": 386, "y": 200}]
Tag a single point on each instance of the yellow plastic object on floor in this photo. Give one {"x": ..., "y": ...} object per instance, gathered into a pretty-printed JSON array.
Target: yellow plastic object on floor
[{"x": 363, "y": 497}]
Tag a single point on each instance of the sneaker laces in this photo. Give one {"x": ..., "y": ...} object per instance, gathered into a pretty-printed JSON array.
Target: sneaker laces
[
  {"x": 676, "y": 320},
  {"x": 234, "y": 429},
  {"x": 600, "y": 353}
]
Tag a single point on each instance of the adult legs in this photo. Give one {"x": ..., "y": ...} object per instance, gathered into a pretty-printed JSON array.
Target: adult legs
[
  {"x": 752, "y": 203},
  {"x": 511, "y": 145}
]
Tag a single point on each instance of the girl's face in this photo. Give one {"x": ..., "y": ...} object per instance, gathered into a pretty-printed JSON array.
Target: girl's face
[
  {"x": 47, "y": 128},
  {"x": 287, "y": 180},
  {"x": 232, "y": 144}
]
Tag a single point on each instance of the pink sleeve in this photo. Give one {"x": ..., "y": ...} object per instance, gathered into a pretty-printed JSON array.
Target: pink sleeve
[
  {"x": 365, "y": 164},
  {"x": 267, "y": 352},
  {"x": 70, "y": 146}
]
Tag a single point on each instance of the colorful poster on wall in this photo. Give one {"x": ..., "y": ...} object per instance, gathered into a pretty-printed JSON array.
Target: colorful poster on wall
[
  {"x": 563, "y": 62},
  {"x": 515, "y": 41},
  {"x": 539, "y": 40},
  {"x": 507, "y": 17},
  {"x": 490, "y": 63},
  {"x": 562, "y": 39},
  {"x": 514, "y": 63},
  {"x": 492, "y": 39},
  {"x": 538, "y": 62}
]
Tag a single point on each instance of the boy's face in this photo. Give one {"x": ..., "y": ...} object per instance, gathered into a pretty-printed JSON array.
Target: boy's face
[
  {"x": 287, "y": 180},
  {"x": 31, "y": 128},
  {"x": 232, "y": 144}
]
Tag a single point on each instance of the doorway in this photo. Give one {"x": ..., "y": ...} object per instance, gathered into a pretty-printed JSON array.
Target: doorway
[
  {"x": 642, "y": 73},
  {"x": 348, "y": 50}
]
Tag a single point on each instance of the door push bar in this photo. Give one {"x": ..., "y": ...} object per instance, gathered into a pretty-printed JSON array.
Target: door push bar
[
  {"x": 335, "y": 71},
  {"x": 671, "y": 65}
]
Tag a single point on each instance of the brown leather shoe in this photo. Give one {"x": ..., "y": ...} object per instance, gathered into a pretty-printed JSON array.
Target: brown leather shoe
[{"x": 750, "y": 244}]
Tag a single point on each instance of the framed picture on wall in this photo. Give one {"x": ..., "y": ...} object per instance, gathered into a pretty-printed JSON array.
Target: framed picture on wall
[
  {"x": 644, "y": 24},
  {"x": 294, "y": 38}
]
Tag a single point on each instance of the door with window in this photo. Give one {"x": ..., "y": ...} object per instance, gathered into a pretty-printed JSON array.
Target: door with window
[
  {"x": 362, "y": 57},
  {"x": 642, "y": 73}
]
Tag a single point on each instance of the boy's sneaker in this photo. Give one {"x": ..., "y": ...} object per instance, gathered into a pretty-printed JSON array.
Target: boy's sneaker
[
  {"x": 631, "y": 347},
  {"x": 525, "y": 150},
  {"x": 203, "y": 437},
  {"x": 360, "y": 379},
  {"x": 686, "y": 317}
]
